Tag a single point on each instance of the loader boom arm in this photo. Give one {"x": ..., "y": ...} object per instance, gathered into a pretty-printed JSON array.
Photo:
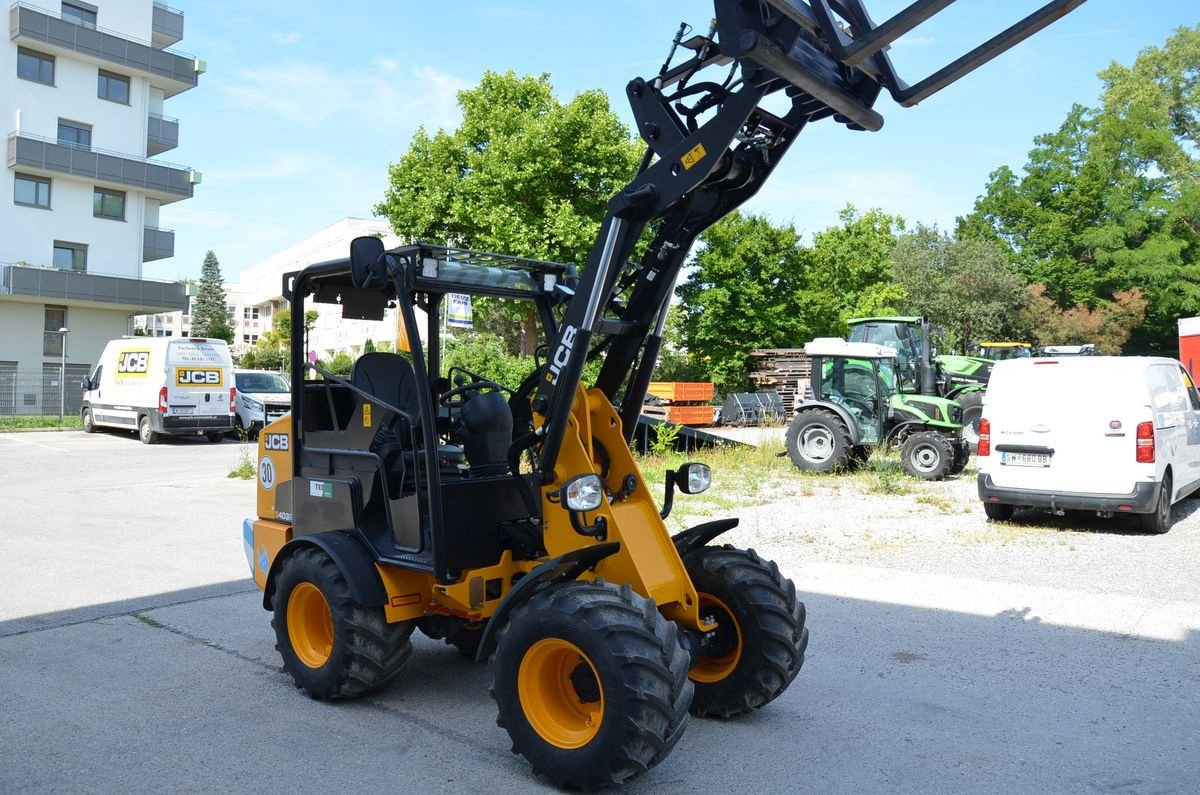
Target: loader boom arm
[{"x": 710, "y": 146}]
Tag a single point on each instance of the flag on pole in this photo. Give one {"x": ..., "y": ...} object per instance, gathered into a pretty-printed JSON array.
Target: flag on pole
[{"x": 458, "y": 311}]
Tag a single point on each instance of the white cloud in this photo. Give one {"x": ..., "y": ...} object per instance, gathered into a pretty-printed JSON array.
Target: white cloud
[{"x": 287, "y": 38}]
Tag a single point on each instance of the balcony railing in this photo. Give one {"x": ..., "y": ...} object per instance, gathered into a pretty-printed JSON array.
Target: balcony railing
[
  {"x": 145, "y": 294},
  {"x": 166, "y": 182},
  {"x": 162, "y": 133},
  {"x": 167, "y": 26},
  {"x": 176, "y": 71},
  {"x": 157, "y": 243}
]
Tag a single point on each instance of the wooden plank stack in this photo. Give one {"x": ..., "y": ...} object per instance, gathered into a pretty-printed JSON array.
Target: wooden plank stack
[
  {"x": 788, "y": 371},
  {"x": 681, "y": 402}
]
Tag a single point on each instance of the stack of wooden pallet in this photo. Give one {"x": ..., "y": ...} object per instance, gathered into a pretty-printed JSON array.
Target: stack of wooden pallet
[
  {"x": 681, "y": 402},
  {"x": 785, "y": 370}
]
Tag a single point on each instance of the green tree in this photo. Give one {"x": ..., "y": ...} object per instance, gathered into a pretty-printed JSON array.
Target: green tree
[
  {"x": 1108, "y": 326},
  {"x": 1111, "y": 201},
  {"x": 274, "y": 347},
  {"x": 210, "y": 317},
  {"x": 850, "y": 265},
  {"x": 966, "y": 286},
  {"x": 524, "y": 173}
]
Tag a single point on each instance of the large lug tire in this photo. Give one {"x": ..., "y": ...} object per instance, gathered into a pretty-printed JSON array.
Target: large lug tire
[
  {"x": 972, "y": 412},
  {"x": 998, "y": 512},
  {"x": 1159, "y": 520},
  {"x": 818, "y": 441},
  {"x": 962, "y": 456},
  {"x": 332, "y": 646},
  {"x": 927, "y": 454},
  {"x": 760, "y": 639},
  {"x": 89, "y": 424},
  {"x": 146, "y": 432},
  {"x": 859, "y": 454},
  {"x": 591, "y": 684}
]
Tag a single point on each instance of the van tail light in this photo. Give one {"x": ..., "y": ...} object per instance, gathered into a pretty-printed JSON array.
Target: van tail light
[
  {"x": 233, "y": 400},
  {"x": 985, "y": 438},
  {"x": 1145, "y": 443},
  {"x": 162, "y": 400}
]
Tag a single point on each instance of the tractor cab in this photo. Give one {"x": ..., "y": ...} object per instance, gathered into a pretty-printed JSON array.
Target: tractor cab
[
  {"x": 998, "y": 351},
  {"x": 859, "y": 377}
]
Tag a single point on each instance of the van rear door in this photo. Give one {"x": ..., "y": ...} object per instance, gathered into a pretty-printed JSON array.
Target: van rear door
[
  {"x": 199, "y": 377},
  {"x": 1067, "y": 425}
]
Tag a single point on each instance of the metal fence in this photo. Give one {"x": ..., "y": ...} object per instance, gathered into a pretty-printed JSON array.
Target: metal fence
[{"x": 33, "y": 392}]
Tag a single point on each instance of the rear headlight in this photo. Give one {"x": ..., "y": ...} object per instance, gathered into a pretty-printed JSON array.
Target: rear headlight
[
  {"x": 162, "y": 400},
  {"x": 985, "y": 438},
  {"x": 1145, "y": 443}
]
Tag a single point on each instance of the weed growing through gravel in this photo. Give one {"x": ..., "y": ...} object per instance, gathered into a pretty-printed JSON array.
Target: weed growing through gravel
[{"x": 244, "y": 469}]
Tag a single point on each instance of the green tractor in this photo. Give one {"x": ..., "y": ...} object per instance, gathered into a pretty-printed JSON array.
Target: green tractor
[
  {"x": 961, "y": 378},
  {"x": 859, "y": 402},
  {"x": 998, "y": 351}
]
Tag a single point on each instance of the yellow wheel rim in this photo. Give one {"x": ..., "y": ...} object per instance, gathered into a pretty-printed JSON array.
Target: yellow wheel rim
[
  {"x": 560, "y": 693},
  {"x": 713, "y": 669},
  {"x": 310, "y": 625}
]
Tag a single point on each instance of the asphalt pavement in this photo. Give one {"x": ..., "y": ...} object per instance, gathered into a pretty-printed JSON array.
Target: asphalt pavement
[{"x": 135, "y": 656}]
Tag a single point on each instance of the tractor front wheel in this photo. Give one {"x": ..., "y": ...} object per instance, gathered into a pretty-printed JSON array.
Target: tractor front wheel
[
  {"x": 591, "y": 684},
  {"x": 760, "y": 639},
  {"x": 818, "y": 441},
  {"x": 927, "y": 454},
  {"x": 333, "y": 646}
]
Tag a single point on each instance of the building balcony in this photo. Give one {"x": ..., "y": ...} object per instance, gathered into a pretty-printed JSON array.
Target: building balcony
[
  {"x": 45, "y": 156},
  {"x": 173, "y": 72},
  {"x": 157, "y": 243},
  {"x": 117, "y": 292},
  {"x": 162, "y": 133},
  {"x": 167, "y": 27}
]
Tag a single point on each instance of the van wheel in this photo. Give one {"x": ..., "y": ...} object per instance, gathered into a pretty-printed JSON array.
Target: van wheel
[
  {"x": 1159, "y": 520},
  {"x": 89, "y": 425},
  {"x": 145, "y": 432},
  {"x": 997, "y": 511},
  {"x": 215, "y": 437}
]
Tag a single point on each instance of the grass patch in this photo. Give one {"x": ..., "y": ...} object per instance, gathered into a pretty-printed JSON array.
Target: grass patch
[
  {"x": 244, "y": 469},
  {"x": 38, "y": 422}
]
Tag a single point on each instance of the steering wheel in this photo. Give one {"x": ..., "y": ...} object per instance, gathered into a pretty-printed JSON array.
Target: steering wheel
[
  {"x": 864, "y": 407},
  {"x": 454, "y": 398}
]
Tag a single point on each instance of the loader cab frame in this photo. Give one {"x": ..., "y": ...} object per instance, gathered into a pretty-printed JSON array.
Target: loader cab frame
[{"x": 401, "y": 431}]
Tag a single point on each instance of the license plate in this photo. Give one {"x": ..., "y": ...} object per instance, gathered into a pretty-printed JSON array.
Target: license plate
[
  {"x": 183, "y": 409},
  {"x": 1025, "y": 459}
]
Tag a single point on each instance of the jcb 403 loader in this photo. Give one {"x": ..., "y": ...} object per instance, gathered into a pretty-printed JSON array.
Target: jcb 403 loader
[{"x": 511, "y": 519}]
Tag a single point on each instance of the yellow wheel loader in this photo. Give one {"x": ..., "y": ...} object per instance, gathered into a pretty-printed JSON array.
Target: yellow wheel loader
[{"x": 511, "y": 520}]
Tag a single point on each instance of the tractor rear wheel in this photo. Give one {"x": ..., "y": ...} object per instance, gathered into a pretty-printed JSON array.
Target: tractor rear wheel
[
  {"x": 333, "y": 646},
  {"x": 591, "y": 684},
  {"x": 927, "y": 454},
  {"x": 760, "y": 639},
  {"x": 972, "y": 412},
  {"x": 818, "y": 441}
]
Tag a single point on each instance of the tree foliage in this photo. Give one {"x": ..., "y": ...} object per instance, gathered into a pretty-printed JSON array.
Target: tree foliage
[
  {"x": 210, "y": 317},
  {"x": 1108, "y": 326},
  {"x": 966, "y": 286},
  {"x": 850, "y": 265},
  {"x": 1111, "y": 201}
]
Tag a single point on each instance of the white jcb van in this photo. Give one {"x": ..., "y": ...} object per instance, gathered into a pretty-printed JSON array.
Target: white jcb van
[
  {"x": 1105, "y": 433},
  {"x": 162, "y": 386}
]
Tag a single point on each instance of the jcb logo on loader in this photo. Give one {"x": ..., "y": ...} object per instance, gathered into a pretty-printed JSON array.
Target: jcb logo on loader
[
  {"x": 562, "y": 354},
  {"x": 197, "y": 377},
  {"x": 133, "y": 362},
  {"x": 276, "y": 441}
]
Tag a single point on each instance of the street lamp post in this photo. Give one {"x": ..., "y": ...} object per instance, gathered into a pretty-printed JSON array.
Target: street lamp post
[{"x": 62, "y": 377}]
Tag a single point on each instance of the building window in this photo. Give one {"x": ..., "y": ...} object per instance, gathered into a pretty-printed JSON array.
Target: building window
[
  {"x": 250, "y": 313},
  {"x": 35, "y": 66},
  {"x": 108, "y": 204},
  {"x": 74, "y": 134},
  {"x": 250, "y": 339},
  {"x": 32, "y": 191},
  {"x": 84, "y": 16},
  {"x": 114, "y": 88},
  {"x": 52, "y": 340},
  {"x": 70, "y": 256}
]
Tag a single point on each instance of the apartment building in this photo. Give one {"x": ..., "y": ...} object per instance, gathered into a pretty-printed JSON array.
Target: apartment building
[{"x": 82, "y": 93}]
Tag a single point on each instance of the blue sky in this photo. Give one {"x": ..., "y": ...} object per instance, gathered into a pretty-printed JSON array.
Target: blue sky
[{"x": 305, "y": 103}]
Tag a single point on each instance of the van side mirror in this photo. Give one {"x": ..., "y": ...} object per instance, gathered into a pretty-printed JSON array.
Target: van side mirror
[
  {"x": 86, "y": 384},
  {"x": 368, "y": 270}
]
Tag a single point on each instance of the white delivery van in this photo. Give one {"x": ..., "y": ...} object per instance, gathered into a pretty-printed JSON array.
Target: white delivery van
[
  {"x": 262, "y": 397},
  {"x": 162, "y": 386},
  {"x": 1099, "y": 433}
]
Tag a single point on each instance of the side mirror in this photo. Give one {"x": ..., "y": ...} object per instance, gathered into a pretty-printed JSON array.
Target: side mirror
[
  {"x": 86, "y": 385},
  {"x": 691, "y": 478},
  {"x": 368, "y": 271}
]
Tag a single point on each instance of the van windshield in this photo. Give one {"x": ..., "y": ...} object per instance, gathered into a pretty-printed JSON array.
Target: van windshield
[{"x": 261, "y": 382}]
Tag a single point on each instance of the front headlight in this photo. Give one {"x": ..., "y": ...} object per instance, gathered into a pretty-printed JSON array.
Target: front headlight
[
  {"x": 583, "y": 493},
  {"x": 252, "y": 404}
]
